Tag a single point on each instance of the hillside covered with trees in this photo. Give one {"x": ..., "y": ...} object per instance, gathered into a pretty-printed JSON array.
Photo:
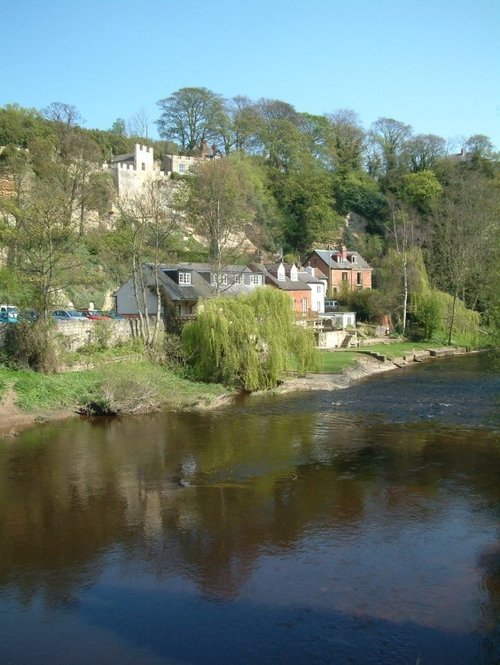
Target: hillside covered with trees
[{"x": 425, "y": 219}]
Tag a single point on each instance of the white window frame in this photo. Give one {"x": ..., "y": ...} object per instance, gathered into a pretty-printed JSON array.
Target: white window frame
[
  {"x": 256, "y": 280},
  {"x": 185, "y": 278}
]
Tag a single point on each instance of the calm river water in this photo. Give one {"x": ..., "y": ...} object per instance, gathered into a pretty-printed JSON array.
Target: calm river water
[{"x": 359, "y": 526}]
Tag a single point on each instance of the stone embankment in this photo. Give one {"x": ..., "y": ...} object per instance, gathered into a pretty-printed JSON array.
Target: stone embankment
[{"x": 369, "y": 363}]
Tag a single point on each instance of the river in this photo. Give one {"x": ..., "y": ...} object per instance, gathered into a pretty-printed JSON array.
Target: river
[{"x": 355, "y": 526}]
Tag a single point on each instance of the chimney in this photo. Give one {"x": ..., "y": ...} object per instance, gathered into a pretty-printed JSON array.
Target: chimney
[{"x": 344, "y": 253}]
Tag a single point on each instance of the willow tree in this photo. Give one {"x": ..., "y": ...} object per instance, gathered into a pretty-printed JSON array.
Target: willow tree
[{"x": 248, "y": 342}]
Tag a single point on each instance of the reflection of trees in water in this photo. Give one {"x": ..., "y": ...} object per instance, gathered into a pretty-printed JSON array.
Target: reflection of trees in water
[{"x": 71, "y": 493}]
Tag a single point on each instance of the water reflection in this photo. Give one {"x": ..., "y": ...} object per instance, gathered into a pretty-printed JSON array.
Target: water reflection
[{"x": 328, "y": 533}]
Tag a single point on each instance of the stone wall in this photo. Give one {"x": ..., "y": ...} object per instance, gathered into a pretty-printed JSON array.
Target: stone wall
[{"x": 76, "y": 334}]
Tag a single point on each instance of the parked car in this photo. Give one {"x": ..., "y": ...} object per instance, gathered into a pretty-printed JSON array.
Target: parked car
[
  {"x": 10, "y": 311},
  {"x": 114, "y": 315},
  {"x": 93, "y": 314},
  {"x": 67, "y": 315},
  {"x": 7, "y": 317},
  {"x": 331, "y": 305}
]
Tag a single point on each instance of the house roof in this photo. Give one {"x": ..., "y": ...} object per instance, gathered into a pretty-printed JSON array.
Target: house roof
[
  {"x": 285, "y": 285},
  {"x": 330, "y": 258},
  {"x": 306, "y": 276},
  {"x": 129, "y": 157},
  {"x": 207, "y": 267},
  {"x": 200, "y": 287}
]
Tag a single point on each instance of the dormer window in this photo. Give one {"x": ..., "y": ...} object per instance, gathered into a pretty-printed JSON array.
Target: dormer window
[
  {"x": 184, "y": 278},
  {"x": 353, "y": 258},
  {"x": 281, "y": 273},
  {"x": 294, "y": 274}
]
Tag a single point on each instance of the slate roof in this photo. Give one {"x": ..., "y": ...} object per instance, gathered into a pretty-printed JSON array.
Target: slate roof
[
  {"x": 306, "y": 276},
  {"x": 285, "y": 285},
  {"x": 329, "y": 257},
  {"x": 129, "y": 157},
  {"x": 200, "y": 287}
]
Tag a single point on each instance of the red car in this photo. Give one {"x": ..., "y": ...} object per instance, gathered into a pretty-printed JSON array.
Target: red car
[{"x": 93, "y": 314}]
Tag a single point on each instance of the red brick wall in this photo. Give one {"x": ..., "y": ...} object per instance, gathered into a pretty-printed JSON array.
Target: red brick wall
[
  {"x": 352, "y": 279},
  {"x": 296, "y": 297}
]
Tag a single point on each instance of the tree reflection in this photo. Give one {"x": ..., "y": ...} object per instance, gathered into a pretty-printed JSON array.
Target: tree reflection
[{"x": 71, "y": 494}]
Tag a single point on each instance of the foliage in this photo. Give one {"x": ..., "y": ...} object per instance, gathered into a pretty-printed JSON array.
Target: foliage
[
  {"x": 222, "y": 198},
  {"x": 247, "y": 342},
  {"x": 421, "y": 189},
  {"x": 427, "y": 315},
  {"x": 190, "y": 116},
  {"x": 33, "y": 346},
  {"x": 368, "y": 305}
]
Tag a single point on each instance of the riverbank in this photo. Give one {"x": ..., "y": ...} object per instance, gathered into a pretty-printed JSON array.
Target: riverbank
[
  {"x": 370, "y": 362},
  {"x": 22, "y": 409}
]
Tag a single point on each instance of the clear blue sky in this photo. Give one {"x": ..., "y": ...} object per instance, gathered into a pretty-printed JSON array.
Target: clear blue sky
[{"x": 434, "y": 64}]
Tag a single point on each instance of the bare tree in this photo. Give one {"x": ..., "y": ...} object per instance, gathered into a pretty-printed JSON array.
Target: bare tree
[
  {"x": 151, "y": 218},
  {"x": 138, "y": 124}
]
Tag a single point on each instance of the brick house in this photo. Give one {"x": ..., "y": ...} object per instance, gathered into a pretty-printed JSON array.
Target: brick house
[{"x": 344, "y": 268}]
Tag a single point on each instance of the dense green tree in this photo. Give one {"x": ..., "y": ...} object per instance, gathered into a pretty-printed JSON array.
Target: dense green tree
[
  {"x": 19, "y": 126},
  {"x": 421, "y": 189},
  {"x": 423, "y": 151},
  {"x": 346, "y": 141},
  {"x": 388, "y": 138},
  {"x": 464, "y": 237},
  {"x": 119, "y": 127},
  {"x": 190, "y": 116},
  {"x": 247, "y": 342}
]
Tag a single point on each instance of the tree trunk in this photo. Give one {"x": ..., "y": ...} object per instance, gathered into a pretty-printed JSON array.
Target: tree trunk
[{"x": 452, "y": 320}]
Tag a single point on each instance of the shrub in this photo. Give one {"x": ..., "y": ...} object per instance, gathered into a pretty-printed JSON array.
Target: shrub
[{"x": 34, "y": 346}]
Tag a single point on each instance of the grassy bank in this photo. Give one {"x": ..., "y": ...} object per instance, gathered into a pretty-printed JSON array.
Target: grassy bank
[
  {"x": 123, "y": 387},
  {"x": 334, "y": 362}
]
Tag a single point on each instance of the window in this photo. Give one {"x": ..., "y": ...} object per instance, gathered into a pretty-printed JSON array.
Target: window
[
  {"x": 238, "y": 279},
  {"x": 294, "y": 274},
  {"x": 256, "y": 279},
  {"x": 353, "y": 258},
  {"x": 281, "y": 273},
  {"x": 304, "y": 305},
  {"x": 359, "y": 280},
  {"x": 223, "y": 279},
  {"x": 344, "y": 277},
  {"x": 184, "y": 278},
  {"x": 182, "y": 168},
  {"x": 143, "y": 166},
  {"x": 318, "y": 289}
]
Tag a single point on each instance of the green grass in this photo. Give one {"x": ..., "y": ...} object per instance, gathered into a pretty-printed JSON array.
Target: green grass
[
  {"x": 44, "y": 393},
  {"x": 40, "y": 392},
  {"x": 334, "y": 362},
  {"x": 397, "y": 349}
]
